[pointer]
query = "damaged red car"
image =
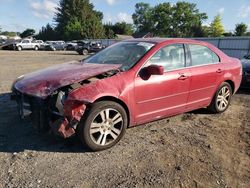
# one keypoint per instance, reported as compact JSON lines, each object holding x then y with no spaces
{"x":129,"y":83}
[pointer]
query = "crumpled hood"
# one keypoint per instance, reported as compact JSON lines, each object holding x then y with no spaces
{"x":44,"y":82}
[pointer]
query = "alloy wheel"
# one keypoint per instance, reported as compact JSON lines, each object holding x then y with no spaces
{"x":106,"y":127}
{"x":223,"y":98}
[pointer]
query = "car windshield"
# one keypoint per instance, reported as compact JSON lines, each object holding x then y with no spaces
{"x":247,"y":57}
{"x":125,"y":53}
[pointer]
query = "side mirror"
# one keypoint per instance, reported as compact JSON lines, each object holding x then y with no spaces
{"x":146,"y":72}
{"x":155,"y":70}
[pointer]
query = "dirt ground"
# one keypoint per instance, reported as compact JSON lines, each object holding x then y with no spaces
{"x":196,"y":149}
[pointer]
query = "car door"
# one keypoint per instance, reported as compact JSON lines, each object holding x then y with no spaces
{"x":163,"y":95}
{"x":25,"y":44}
{"x":205,"y":69}
{"x":29,"y":44}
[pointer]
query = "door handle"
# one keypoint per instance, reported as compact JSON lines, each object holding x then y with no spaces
{"x":183,"y":77}
{"x":219,"y":71}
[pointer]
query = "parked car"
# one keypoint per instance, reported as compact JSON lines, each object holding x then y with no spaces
{"x":2,"y":42}
{"x":86,"y":47}
{"x":83,"y":47}
{"x":39,"y":41}
{"x":96,"y":47}
{"x":27,"y":44}
{"x":246,"y":71}
{"x":9,"y":44}
{"x":71,"y":45}
{"x":55,"y":45}
{"x":129,"y":83}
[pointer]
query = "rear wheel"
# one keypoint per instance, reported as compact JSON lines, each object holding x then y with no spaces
{"x":85,"y":52}
{"x":222,"y":98}
{"x":103,"y":126}
{"x":36,"y":48}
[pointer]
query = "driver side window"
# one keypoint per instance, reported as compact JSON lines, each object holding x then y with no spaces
{"x":171,"y":57}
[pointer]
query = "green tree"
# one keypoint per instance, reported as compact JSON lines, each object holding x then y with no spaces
{"x":9,"y":33}
{"x":182,"y":19}
{"x":162,"y":19}
{"x":77,"y":19}
{"x":109,"y":33}
{"x":216,"y":27}
{"x":228,"y":34}
{"x":205,"y":31}
{"x":187,"y":20}
{"x":240,"y":29}
{"x":28,"y":32}
{"x":72,"y":30}
{"x":47,"y":33}
{"x":123,"y":28}
{"x":143,"y":17}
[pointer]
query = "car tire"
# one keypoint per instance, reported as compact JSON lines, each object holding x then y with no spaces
{"x":103,"y":126}
{"x":221,"y":99}
{"x":19,"y":48}
{"x":36,"y":48}
{"x":85,"y":52}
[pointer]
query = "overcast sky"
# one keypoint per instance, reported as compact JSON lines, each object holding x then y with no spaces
{"x":17,"y":15}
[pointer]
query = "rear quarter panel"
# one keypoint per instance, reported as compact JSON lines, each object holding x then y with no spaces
{"x":232,"y":68}
{"x":232,"y":71}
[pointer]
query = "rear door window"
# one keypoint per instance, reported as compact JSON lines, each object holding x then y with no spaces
{"x":202,"y":55}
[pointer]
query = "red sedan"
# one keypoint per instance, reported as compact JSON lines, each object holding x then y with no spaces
{"x":127,"y":84}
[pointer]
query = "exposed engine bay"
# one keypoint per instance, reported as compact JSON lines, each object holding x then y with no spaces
{"x":55,"y":112}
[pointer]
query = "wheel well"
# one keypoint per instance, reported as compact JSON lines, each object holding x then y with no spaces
{"x":108,"y":98}
{"x":231,"y":84}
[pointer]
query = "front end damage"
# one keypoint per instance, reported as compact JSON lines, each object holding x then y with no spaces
{"x":56,"y":111}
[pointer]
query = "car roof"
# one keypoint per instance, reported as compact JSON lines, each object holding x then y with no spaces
{"x":163,"y":40}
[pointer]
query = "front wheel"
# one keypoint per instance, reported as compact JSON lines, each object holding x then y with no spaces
{"x":222,"y":98}
{"x":36,"y":48}
{"x":19,"y":48}
{"x":104,"y":125}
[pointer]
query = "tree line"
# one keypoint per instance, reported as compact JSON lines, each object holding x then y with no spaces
{"x":77,"y":19}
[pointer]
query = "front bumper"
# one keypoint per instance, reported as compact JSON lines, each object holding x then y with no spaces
{"x":44,"y":115}
{"x":23,"y":104}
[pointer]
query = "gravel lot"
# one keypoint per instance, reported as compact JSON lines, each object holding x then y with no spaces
{"x":195,"y":149}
